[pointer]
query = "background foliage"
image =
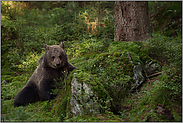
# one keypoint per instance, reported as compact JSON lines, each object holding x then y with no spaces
{"x":87,"y":29}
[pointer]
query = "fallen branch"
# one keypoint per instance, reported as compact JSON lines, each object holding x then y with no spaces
{"x":152,"y":75}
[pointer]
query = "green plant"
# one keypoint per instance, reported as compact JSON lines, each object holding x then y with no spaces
{"x":166,"y":17}
{"x":168,"y":50}
{"x":31,"y":62}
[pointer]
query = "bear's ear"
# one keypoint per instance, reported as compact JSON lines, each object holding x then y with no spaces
{"x":62,"y":45}
{"x":46,"y":47}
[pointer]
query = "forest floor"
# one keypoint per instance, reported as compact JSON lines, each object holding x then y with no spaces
{"x":147,"y":103}
{"x":26,"y":29}
{"x":134,"y":108}
{"x":137,"y":105}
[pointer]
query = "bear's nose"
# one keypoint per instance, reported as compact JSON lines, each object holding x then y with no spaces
{"x":57,"y":64}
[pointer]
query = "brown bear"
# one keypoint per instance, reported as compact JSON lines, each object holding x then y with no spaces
{"x":50,"y":70}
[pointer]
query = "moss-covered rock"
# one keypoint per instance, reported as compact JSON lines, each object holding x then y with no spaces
{"x":83,"y":100}
{"x":104,"y":81}
{"x":132,"y":58}
{"x":116,"y":54}
{"x":114,"y":68}
{"x":122,"y":46}
{"x":82,"y":95}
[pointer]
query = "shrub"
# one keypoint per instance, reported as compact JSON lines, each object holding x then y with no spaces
{"x":31,"y":62}
{"x":169,"y":50}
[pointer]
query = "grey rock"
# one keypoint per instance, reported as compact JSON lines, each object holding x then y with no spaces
{"x":152,"y":67}
{"x":160,"y":109}
{"x":82,"y":98}
{"x":4,"y":82}
{"x":138,"y":77}
{"x":138,"y":70}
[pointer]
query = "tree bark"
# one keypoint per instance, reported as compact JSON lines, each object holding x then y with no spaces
{"x":131,"y":21}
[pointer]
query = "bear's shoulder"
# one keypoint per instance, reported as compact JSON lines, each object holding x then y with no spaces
{"x":41,"y":60}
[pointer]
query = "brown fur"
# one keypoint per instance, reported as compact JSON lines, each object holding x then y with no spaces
{"x":49,"y":71}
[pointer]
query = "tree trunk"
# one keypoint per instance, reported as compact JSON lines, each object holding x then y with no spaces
{"x":131,"y":21}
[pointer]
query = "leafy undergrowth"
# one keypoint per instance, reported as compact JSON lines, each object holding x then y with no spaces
{"x":109,"y":63}
{"x":24,"y":31}
{"x":104,"y":117}
{"x":142,"y":106}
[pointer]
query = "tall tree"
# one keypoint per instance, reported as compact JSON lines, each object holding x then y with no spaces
{"x":131,"y":21}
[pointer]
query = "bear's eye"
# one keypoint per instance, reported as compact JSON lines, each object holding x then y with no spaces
{"x":60,"y":57}
{"x":53,"y":57}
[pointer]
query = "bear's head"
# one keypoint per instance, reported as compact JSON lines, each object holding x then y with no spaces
{"x":55,"y":56}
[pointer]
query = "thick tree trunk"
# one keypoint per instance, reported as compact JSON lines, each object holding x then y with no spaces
{"x":131,"y":21}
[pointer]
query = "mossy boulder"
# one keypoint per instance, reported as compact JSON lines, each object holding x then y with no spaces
{"x":138,"y":50}
{"x":123,"y":46}
{"x":105,"y":81}
{"x":83,"y":94}
{"x":135,"y":60}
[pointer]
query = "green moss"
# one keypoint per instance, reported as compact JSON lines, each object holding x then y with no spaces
{"x":154,"y":61}
{"x":176,"y":116}
{"x":62,"y":105}
{"x":103,"y":117}
{"x":103,"y":55}
{"x":116,"y":42}
{"x":3,"y":72}
{"x":5,"y":105}
{"x":109,"y":73}
{"x":96,"y":85}
{"x":9,"y":77}
{"x":144,"y":58}
{"x":116,"y":54}
{"x":4,"y":61}
{"x":134,"y":48}
{"x":121,"y":46}
{"x":90,"y":55}
{"x":138,"y":51}
{"x":135,"y":60}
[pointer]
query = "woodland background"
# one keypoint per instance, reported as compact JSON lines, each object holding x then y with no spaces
{"x":87,"y":29}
